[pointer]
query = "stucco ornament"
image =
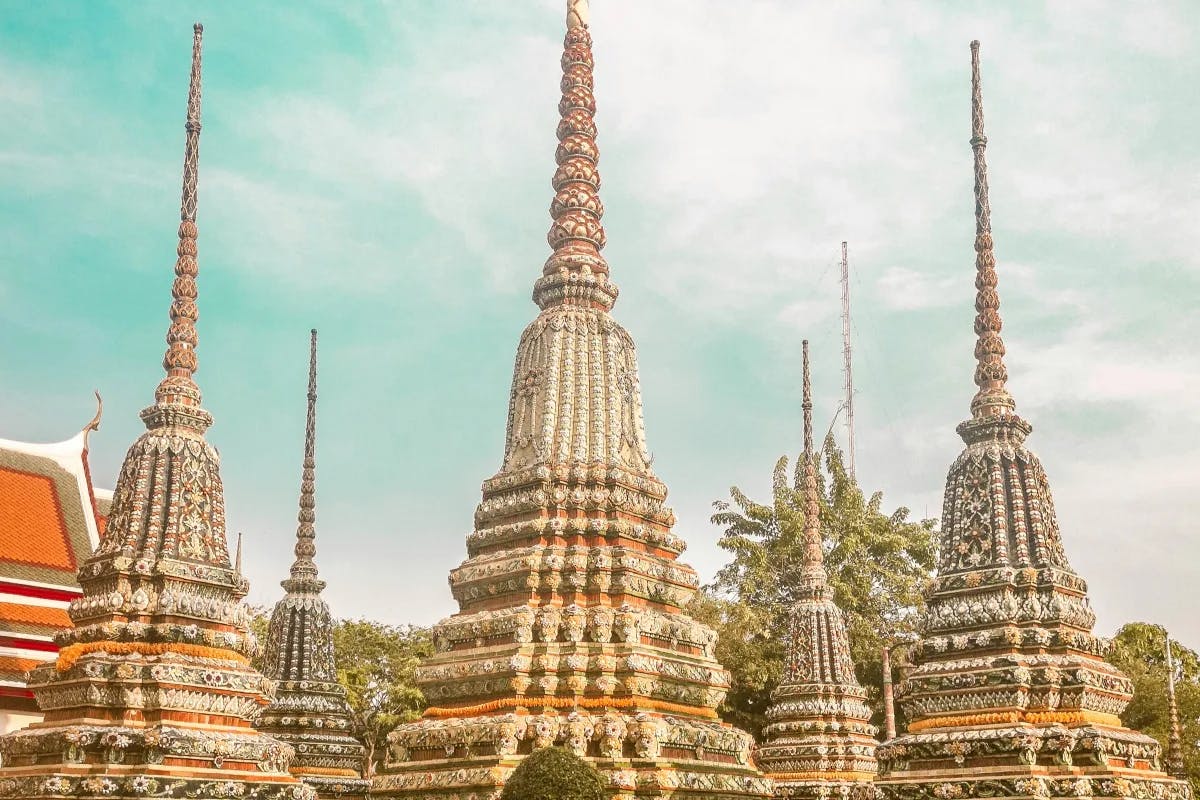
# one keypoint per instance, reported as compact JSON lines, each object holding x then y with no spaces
{"x":152,"y":693}
{"x":1010,"y":693}
{"x":310,"y":710}
{"x":818,"y":742}
{"x":571,"y":597}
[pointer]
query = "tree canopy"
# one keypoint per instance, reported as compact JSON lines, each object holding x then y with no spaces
{"x":878,"y":564}
{"x":554,"y":773}
{"x":1139,"y":650}
{"x":377,"y":664}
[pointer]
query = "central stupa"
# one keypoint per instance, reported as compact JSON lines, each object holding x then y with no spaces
{"x":571,"y":628}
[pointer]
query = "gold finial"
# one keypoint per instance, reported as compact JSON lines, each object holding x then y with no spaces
{"x":237,"y":561}
{"x":178,"y":387}
{"x":812,"y":571}
{"x":304,"y":568}
{"x":577,"y":13}
{"x":991,"y":376}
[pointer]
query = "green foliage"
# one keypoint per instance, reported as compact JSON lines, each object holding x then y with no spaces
{"x":1139,"y":650}
{"x":554,"y":773}
{"x":878,"y":564}
{"x":377,"y":664}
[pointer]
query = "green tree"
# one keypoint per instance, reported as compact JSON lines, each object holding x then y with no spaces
{"x":377,"y":664}
{"x":1139,"y":650}
{"x":554,"y":773}
{"x":878,"y":565}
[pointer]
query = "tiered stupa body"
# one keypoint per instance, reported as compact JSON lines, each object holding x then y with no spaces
{"x":1010,"y":694}
{"x":310,"y":711}
{"x":819,"y":742}
{"x":152,"y":693}
{"x":571,"y":629}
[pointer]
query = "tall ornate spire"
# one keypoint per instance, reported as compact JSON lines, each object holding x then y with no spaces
{"x":153,"y":690}
{"x":576,"y":273}
{"x":571,"y":625}
{"x":310,"y":711}
{"x":178,"y":387}
{"x":304,"y":569}
{"x":1175,"y":765}
{"x":1010,"y":693}
{"x":818,"y":742}
{"x":991,"y":376}
{"x":813,"y":575}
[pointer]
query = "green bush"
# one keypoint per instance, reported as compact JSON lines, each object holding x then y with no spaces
{"x":554,"y":773}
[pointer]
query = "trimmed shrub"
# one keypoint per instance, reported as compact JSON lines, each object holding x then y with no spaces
{"x":554,"y":773}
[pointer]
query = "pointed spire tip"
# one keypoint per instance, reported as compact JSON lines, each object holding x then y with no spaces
{"x":812,"y":575}
{"x":179,"y":387}
{"x":577,"y":13}
{"x":303,"y":575}
{"x":991,"y":375}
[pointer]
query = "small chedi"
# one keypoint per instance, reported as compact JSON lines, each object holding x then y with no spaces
{"x":152,"y":692}
{"x":571,"y":628}
{"x":310,"y":711}
{"x":818,"y":742}
{"x":1010,"y":694}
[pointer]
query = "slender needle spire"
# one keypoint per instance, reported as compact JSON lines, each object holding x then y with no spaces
{"x":180,"y":362}
{"x":813,"y":577}
{"x":1175,"y":765}
{"x":991,"y":376}
{"x":304,"y":569}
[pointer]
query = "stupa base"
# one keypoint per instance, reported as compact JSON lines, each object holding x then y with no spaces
{"x":337,"y":787}
{"x":641,"y":754}
{"x":860,"y":788}
{"x":136,"y":783}
{"x":1026,"y":761}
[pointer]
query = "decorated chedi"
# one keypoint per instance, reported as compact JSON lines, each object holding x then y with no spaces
{"x":571,"y":628}
{"x":1010,"y":694}
{"x":152,"y":693}
{"x":310,"y":711}
{"x":818,"y":742}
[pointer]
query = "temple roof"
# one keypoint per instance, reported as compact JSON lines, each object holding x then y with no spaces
{"x":51,"y":518}
{"x":49,"y":515}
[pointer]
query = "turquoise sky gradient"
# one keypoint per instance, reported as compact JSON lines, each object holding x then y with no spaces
{"x":381,"y":172}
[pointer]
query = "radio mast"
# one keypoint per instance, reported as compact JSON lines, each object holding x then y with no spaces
{"x":849,"y":402}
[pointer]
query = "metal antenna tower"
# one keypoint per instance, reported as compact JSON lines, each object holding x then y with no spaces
{"x":849,"y":402}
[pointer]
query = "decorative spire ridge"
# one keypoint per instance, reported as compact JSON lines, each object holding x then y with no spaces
{"x":576,"y":273}
{"x":304,"y":569}
{"x":1175,"y":765}
{"x":94,"y":423}
{"x":812,"y":575}
{"x":178,"y":387}
{"x":991,"y":376}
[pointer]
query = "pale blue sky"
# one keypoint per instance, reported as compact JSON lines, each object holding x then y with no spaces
{"x":381,"y":172}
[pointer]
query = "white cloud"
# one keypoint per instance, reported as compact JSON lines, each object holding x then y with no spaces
{"x":906,"y":289}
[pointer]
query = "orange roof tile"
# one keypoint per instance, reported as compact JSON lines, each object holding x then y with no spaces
{"x":48,"y":511}
{"x":32,"y":529}
{"x":21,"y":665}
{"x":34,"y":615}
